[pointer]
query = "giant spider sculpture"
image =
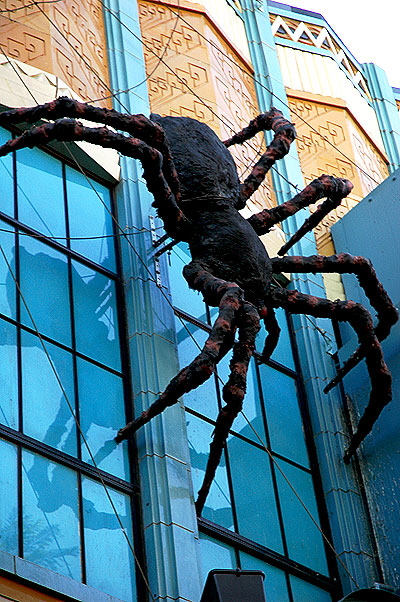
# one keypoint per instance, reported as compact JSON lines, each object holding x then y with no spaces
{"x":197,"y":194}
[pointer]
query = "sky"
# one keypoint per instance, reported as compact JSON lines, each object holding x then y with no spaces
{"x":369,"y":29}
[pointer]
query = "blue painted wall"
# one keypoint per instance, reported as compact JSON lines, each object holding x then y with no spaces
{"x":372,"y":229}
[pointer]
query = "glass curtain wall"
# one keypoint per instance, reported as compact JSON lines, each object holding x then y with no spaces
{"x":65,"y":485}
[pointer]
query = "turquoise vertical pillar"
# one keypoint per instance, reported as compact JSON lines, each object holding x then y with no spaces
{"x":170,"y":526}
{"x":384,"y":103}
{"x":344,"y":503}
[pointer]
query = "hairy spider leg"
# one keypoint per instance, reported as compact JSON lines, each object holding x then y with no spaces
{"x":137,"y":126}
{"x":284,"y":134}
{"x":67,"y":130}
{"x":324,"y":186}
{"x":273,"y":329}
{"x":344,"y":263}
{"x":233,"y":394}
{"x":229,"y":297}
{"x":360,"y":319}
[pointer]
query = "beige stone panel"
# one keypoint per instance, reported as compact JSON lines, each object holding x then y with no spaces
{"x":321,"y":75}
{"x":203,"y":76}
{"x":65,"y":38}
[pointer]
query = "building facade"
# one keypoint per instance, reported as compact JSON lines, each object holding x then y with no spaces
{"x":94,"y":323}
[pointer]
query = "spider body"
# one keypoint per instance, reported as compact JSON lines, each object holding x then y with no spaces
{"x":198,"y":195}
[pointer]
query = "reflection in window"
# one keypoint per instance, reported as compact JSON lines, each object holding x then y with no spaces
{"x":109,"y":560}
{"x":60,"y":362}
{"x":89,"y":212}
{"x":95,"y":315}
{"x":50,"y":515}
{"x":40,"y":192}
{"x":44,"y":285}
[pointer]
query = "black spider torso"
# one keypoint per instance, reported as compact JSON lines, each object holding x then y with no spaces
{"x":219,"y":238}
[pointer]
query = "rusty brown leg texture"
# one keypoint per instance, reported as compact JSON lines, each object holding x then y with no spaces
{"x":137,"y":126}
{"x":366,"y":276}
{"x":361,"y":320}
{"x":218,"y":343}
{"x":67,"y":130}
{"x":233,"y":394}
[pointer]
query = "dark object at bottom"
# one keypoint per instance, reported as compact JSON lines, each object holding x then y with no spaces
{"x":225,"y":585}
{"x":379,"y":593}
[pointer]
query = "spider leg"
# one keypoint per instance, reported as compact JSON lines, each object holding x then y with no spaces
{"x":361,"y":320}
{"x":233,"y":394}
{"x":229,"y":297}
{"x":67,"y":130}
{"x":345,"y":263}
{"x":324,"y":186}
{"x":273,"y":330}
{"x":284,"y":134}
{"x":137,"y":126}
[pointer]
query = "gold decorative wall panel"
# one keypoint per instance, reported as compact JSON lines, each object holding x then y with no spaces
{"x":194,"y":71}
{"x":330,"y":140}
{"x":65,"y":38}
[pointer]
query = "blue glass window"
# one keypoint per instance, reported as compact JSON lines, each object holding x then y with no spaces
{"x":62,"y":390}
{"x":8,"y":375}
{"x":275,"y":584}
{"x":48,"y":393}
{"x":285,"y":425}
{"x":8,"y":502}
{"x":47,"y":294}
{"x":109,"y":558}
{"x":89,"y":212}
{"x":40,"y":192}
{"x":300,"y":516}
{"x":7,"y":271}
{"x":96,"y":315}
{"x":218,"y":504}
{"x":50,"y":515}
{"x":6,"y":178}
{"x":101,"y":400}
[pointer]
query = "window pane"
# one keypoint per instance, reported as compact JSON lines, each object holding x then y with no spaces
{"x":50,"y":515}
{"x":218,"y":504}
{"x":8,"y":498}
{"x":95,"y":316}
{"x":6,"y":178}
{"x":190,"y":341}
{"x":44,"y":284}
{"x":109,"y":559}
{"x":253,"y":489}
{"x":46,"y":414}
{"x":102,"y":413}
{"x":283,"y":352}
{"x":8,"y":375}
{"x":89,"y":215}
{"x":215,"y":555}
{"x":251,"y":404}
{"x":304,"y":540}
{"x":7,"y":271}
{"x":305,"y":592}
{"x":40,"y":192}
{"x":275,"y":580}
{"x":283,"y":415}
{"x":182,"y":296}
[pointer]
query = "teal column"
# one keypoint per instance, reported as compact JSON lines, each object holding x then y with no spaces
{"x":386,"y":110}
{"x":170,"y":526}
{"x":344,"y":502}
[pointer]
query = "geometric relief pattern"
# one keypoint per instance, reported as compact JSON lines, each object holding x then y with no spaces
{"x":330,"y":141}
{"x":65,"y":38}
{"x":319,"y":37}
{"x":200,"y":76}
